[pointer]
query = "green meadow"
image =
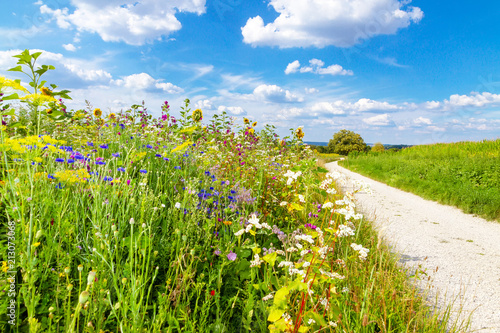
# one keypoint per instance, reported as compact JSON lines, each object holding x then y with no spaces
{"x":462,"y":174}
{"x":127,"y":222}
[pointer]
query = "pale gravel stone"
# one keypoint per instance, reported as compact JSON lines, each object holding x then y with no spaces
{"x":465,"y":249}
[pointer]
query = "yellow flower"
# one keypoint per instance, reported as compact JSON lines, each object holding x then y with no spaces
{"x":112,"y":116}
{"x":49,"y":111}
{"x":97,"y":113}
{"x":197,"y":115}
{"x":38,"y":99}
{"x":254,"y":124}
{"x":227,"y":222}
{"x":246,"y":121}
{"x":5,"y":267}
{"x":37,"y":244}
{"x":299,"y":133}
{"x":251,"y":131}
{"x":4,"y":82}
{"x":46,"y":91}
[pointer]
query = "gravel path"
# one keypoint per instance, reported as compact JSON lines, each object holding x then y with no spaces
{"x":460,"y":252}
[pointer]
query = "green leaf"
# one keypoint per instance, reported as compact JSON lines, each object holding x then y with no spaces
{"x":16,"y":69}
{"x":51,"y":67}
{"x":16,"y":124}
{"x":303,"y":329}
{"x":270,"y":258}
{"x":13,"y":96}
{"x":321,"y":170}
{"x":298,"y":285}
{"x":275,"y":315}
{"x":280,"y":297}
{"x":36,"y":55}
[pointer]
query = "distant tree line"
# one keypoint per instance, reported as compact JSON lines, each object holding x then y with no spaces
{"x":346,"y":142}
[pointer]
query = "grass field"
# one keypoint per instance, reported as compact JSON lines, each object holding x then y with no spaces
{"x":463,"y":174}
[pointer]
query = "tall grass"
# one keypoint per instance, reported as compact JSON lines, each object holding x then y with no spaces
{"x":463,"y":174}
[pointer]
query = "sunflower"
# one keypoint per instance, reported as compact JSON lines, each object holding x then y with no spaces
{"x":246,"y":121}
{"x":197,"y":115}
{"x":49,"y":111}
{"x":299,"y":133}
{"x":251,"y":131}
{"x":97,"y":113}
{"x":46,"y":91}
{"x":254,"y":124}
{"x":112,"y":116}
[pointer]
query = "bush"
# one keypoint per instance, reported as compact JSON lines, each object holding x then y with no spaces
{"x":345,"y":141}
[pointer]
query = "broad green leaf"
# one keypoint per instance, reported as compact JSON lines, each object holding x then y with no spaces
{"x":280,"y":297}
{"x":13,"y":96}
{"x":14,"y":125}
{"x":16,"y":69}
{"x":270,"y":258}
{"x":303,"y":329}
{"x":10,"y":112}
{"x":275,"y":315}
{"x":298,"y":285}
{"x":256,"y":250}
{"x":36,"y":55}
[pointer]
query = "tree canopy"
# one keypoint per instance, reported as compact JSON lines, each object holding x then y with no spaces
{"x":346,"y":141}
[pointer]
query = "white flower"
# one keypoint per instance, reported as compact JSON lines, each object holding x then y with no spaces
{"x":267,"y":297}
{"x":344,"y":231}
{"x":311,"y":321}
{"x":177,"y":205}
{"x":285,"y":263}
{"x":363,"y":252}
{"x":283,"y":203}
{"x":327,"y":205}
{"x":301,"y":198}
{"x":306,"y":264}
{"x":240,"y":232}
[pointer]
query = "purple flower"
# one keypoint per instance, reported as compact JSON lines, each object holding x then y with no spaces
{"x":100,"y":163}
{"x":79,"y":156}
{"x":108,"y":179}
{"x":157,"y":155}
{"x":164,"y":117}
{"x":90,"y":144}
{"x":70,"y":160}
{"x":217,"y":252}
{"x":103,"y":146}
{"x":231,"y":256}
{"x":121,"y":169}
{"x":60,"y":160}
{"x":143,"y":171}
{"x":115,"y":154}
{"x":149,"y":146}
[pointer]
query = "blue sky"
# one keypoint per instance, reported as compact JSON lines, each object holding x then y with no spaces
{"x":409,"y":72}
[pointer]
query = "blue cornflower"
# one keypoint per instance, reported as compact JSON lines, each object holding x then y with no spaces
{"x":100,"y":163}
{"x":177,"y":167}
{"x":166,"y":159}
{"x":157,"y":155}
{"x":108,"y":179}
{"x":233,"y":191}
{"x":121,"y":169}
{"x":122,"y":126}
{"x":104,"y":146}
{"x":79,"y":157}
{"x":59,"y":186}
{"x":143,"y":171}
{"x":70,"y":160}
{"x":115,"y":154}
{"x":60,"y":160}
{"x":90,"y":144}
{"x":207,"y":173}
{"x":149,"y":146}
{"x":51,"y":176}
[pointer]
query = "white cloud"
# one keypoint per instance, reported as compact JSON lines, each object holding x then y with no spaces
{"x":292,"y":67}
{"x":234,"y":110}
{"x":474,"y":99}
{"x":88,"y":74}
{"x":422,"y":121}
{"x":336,"y":108}
{"x":169,"y":87}
{"x":316,"y":66}
{"x":321,"y":23}
{"x":130,"y":21}
{"x":378,"y":120}
{"x":366,"y":105}
{"x":275,"y":94}
{"x":204,"y":104}
{"x":436,"y":128}
{"x":69,"y":47}
{"x":143,"y":81}
{"x":311,"y":90}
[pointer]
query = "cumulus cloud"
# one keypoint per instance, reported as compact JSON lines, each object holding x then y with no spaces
{"x":233,"y":110}
{"x":69,"y":47}
{"x":379,"y":120}
{"x":316,"y":67}
{"x":143,"y":81}
{"x":474,"y":99}
{"x":320,"y":23}
{"x":336,"y":108}
{"x":422,"y":121}
{"x":130,"y":21}
{"x":275,"y":94}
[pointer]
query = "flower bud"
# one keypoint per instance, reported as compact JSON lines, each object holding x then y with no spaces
{"x":80,"y":267}
{"x":69,"y":287}
{"x":39,"y":234}
{"x":91,"y":277}
{"x":84,"y":296}
{"x":51,"y":309}
{"x":67,"y":270}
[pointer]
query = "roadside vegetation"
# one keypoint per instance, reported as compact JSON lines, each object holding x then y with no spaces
{"x":463,"y":174}
{"x":125,"y":222}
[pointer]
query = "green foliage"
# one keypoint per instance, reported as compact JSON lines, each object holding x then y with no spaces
{"x":346,"y":141}
{"x":463,"y":174}
{"x":378,"y":147}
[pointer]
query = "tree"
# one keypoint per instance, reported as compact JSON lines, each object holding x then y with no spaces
{"x":378,"y":147}
{"x":345,"y":141}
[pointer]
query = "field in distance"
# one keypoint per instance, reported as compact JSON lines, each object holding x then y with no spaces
{"x":463,"y":174}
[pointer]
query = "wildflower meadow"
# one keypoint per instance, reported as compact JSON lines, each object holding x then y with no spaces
{"x":125,"y":222}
